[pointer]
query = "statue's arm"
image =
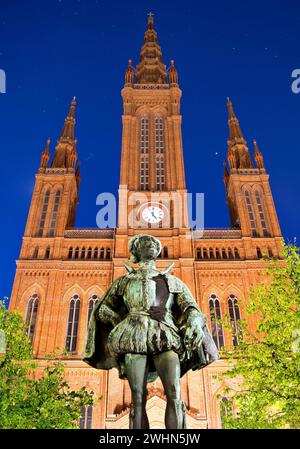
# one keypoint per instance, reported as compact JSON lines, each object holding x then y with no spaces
{"x":109,"y":304}
{"x":189,"y":307}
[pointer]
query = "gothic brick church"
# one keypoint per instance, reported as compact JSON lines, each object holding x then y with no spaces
{"x":63,"y":270}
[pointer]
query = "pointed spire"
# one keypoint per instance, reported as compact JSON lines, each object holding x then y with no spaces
{"x":151,"y":68}
{"x":237,"y":145}
{"x":129,"y":74}
{"x":173,"y":75}
{"x":235,"y":133}
{"x":66,"y":142}
{"x":258,"y":157}
{"x":45,"y":156}
{"x":69,"y":126}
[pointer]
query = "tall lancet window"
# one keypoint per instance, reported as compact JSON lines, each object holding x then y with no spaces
{"x":235,"y":316}
{"x":72,"y":331}
{"x":159,"y":152}
{"x":92,"y":301}
{"x":215,"y":317}
{"x":54,"y":213}
{"x":86,"y":419}
{"x":44,"y":213}
{"x":31,"y":316}
{"x":261,"y":212}
{"x":144,"y":145}
{"x":251,"y":214}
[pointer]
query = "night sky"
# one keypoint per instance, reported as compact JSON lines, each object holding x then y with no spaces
{"x":53,"y":50}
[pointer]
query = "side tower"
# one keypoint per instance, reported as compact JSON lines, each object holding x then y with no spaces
{"x":52,"y":210}
{"x":248,"y":193}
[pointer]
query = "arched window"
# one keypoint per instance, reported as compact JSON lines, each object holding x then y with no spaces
{"x":86,"y":419}
{"x":44,"y":213}
{"x":92,"y":301}
{"x":96,"y":253}
{"x":211,"y":253}
{"x":230,"y":254}
{"x":198,"y":253}
{"x":224,"y":255}
{"x":261,"y":212}
{"x":226,"y":409}
{"x":35,"y":253}
{"x":102,"y":253}
{"x":270,"y":253}
{"x":234,"y":313}
{"x":165,"y":252}
{"x":82,"y":253}
{"x":259,"y":253}
{"x":54,"y":213}
{"x":89,"y":253}
{"x":218,"y":255}
{"x":108,"y":253}
{"x":72,"y":331}
{"x":144,"y":159}
{"x":76,"y":253}
{"x":70,"y":255}
{"x":250,"y":214}
{"x":159,"y":152}
{"x":236,"y":253}
{"x":31,"y":316}
{"x":47,"y":252}
{"x":215,"y":317}
{"x":205,"y":256}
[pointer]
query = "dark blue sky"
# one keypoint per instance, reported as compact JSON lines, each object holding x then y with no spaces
{"x":53,"y":50}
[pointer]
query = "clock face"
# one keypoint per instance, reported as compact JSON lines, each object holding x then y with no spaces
{"x":153,"y":214}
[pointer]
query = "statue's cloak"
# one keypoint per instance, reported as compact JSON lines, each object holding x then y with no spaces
{"x":96,"y":351}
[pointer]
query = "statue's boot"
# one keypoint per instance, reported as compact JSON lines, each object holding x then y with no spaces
{"x":175,"y":414}
{"x":138,"y":418}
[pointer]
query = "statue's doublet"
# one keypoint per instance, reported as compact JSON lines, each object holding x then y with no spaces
{"x":138,"y":332}
{"x":129,"y":297}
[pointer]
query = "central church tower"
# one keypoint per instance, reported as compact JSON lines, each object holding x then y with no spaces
{"x":152,"y":191}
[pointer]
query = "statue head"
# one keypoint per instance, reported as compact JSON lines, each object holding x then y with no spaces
{"x":144,"y":247}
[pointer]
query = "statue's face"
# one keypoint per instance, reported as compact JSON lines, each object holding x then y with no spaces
{"x":147,"y":248}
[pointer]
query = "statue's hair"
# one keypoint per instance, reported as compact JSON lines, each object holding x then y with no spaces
{"x":133,"y":246}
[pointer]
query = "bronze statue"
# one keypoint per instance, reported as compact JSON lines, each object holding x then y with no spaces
{"x":148,"y":324}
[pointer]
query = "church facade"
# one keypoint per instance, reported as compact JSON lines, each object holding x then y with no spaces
{"x":62,"y":270}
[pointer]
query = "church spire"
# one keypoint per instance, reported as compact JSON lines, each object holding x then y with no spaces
{"x":235,"y":132}
{"x":237,"y":145}
{"x":66,"y":145}
{"x":151,"y":68}
{"x":258,"y":157}
{"x":69,"y":126}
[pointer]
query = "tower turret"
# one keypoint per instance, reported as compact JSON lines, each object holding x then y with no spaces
{"x":45,"y":156}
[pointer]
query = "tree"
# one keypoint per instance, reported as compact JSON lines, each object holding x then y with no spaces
{"x":27,"y":402}
{"x":269,"y":359}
